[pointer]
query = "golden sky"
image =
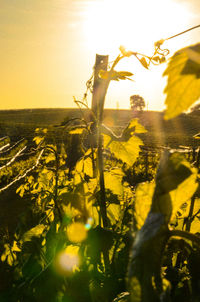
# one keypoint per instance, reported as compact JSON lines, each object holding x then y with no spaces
{"x":48,"y":47}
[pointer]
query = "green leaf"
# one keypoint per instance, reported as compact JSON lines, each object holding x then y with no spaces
{"x":34,"y":232}
{"x":183,"y":87}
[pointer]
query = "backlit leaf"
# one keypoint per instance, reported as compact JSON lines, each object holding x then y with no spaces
{"x":183,"y":87}
{"x":114,"y":75}
{"x":113,"y":181}
{"x":38,"y":139}
{"x":144,"y":62}
{"x":127,"y":151}
{"x":143,"y":200}
{"x":124,"y":52}
{"x":183,"y":193}
{"x":78,"y":130}
{"x":113,"y":212}
{"x":195,"y":226}
{"x":174,"y":174}
{"x":50,"y":157}
{"x":34,"y":232}
{"x":125,"y":73}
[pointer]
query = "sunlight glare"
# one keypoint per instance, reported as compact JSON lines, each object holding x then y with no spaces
{"x":134,"y":24}
{"x":76,"y":232}
{"x":67,"y":261}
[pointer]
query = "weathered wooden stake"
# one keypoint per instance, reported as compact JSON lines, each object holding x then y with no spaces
{"x":99,"y":87}
{"x":98,"y":98}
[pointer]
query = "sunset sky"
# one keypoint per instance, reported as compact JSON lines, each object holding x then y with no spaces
{"x":48,"y":47}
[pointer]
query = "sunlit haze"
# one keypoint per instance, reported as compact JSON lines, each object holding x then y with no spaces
{"x":48,"y":48}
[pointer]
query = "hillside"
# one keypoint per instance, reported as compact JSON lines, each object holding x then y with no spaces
{"x":175,"y":132}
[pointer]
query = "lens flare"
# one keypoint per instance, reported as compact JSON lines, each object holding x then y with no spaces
{"x":76,"y":232}
{"x":67,"y":261}
{"x":89,"y":223}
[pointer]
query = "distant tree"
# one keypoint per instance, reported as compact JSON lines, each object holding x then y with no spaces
{"x":137,"y":102}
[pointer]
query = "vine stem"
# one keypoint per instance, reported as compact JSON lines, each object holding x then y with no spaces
{"x":56,"y":182}
{"x":185,"y":235}
{"x":190,"y":218}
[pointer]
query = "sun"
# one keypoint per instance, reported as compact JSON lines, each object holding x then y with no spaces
{"x":136,"y":24}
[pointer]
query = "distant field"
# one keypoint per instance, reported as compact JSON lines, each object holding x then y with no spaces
{"x":178,"y":131}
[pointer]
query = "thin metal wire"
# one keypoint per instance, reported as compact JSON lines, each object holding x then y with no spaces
{"x":183,"y":32}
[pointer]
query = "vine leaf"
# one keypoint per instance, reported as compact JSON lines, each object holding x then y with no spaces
{"x":152,"y":238}
{"x":144,"y":62}
{"x":77,"y":130}
{"x":34,"y":232}
{"x":127,"y":146}
{"x":173,"y":175}
{"x":127,"y":151}
{"x":9,"y":253}
{"x":143,"y":199}
{"x":184,"y":192}
{"x":180,"y":195}
{"x":115,"y":75}
{"x":183,"y":87}
{"x":113,"y":181}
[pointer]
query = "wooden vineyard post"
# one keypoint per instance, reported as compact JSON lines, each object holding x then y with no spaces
{"x":99,"y":87}
{"x":98,"y":98}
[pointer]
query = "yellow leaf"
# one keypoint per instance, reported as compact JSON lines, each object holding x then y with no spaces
{"x":34,"y":232}
{"x":50,"y":157}
{"x":183,"y":87}
{"x":77,"y":130}
{"x":183,"y":193}
{"x":127,"y":151}
{"x":38,"y":140}
{"x":143,"y":198}
{"x":113,"y":211}
{"x":15,"y":248}
{"x":195,"y":226}
{"x":125,"y":73}
{"x":136,"y":126}
{"x":144,"y":62}
{"x":113,"y":181}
